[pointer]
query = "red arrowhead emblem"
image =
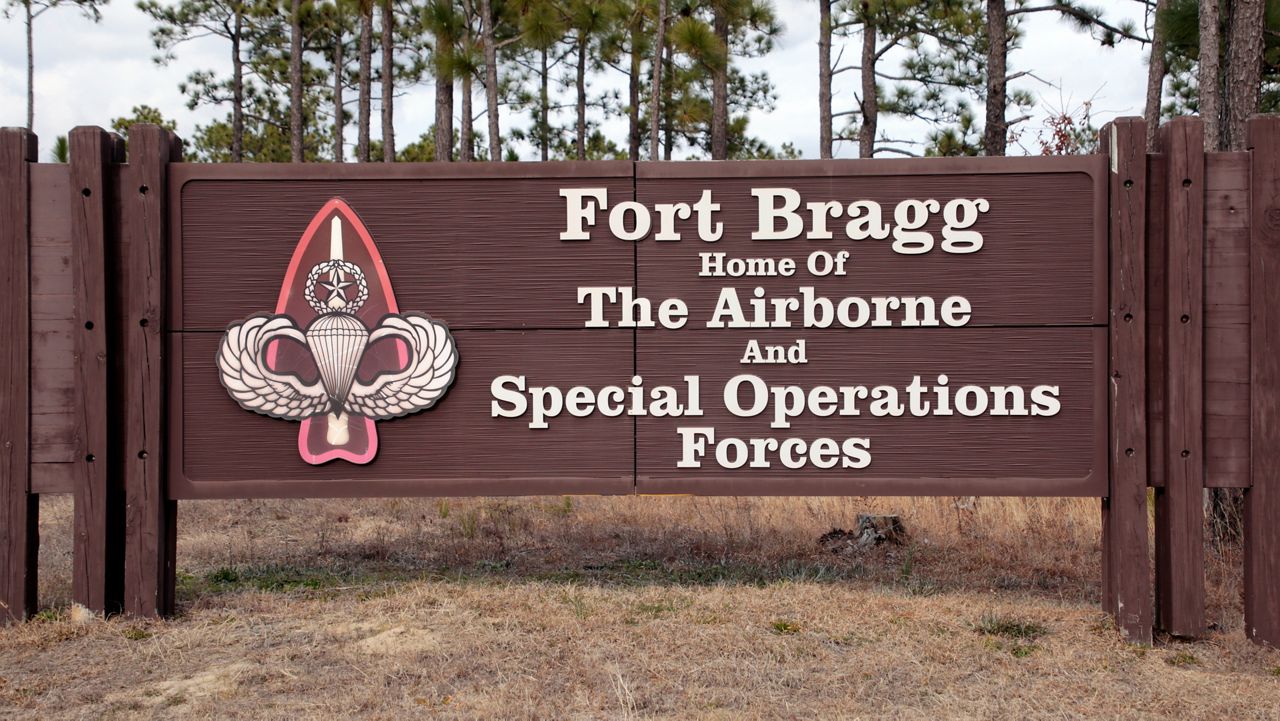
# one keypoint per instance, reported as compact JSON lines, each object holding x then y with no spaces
{"x":337,"y":354}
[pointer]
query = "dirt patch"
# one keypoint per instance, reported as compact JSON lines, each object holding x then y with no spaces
{"x":399,"y":641}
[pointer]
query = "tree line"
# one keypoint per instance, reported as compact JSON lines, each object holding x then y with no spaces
{"x":298,"y":73}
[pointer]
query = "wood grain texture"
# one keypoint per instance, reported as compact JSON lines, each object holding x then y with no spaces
{"x":476,"y":252}
{"x":1226,"y":320}
{"x":49,"y":478}
{"x":1262,"y":499}
{"x":98,"y":509}
{"x":149,"y":514}
{"x":1050,"y":219}
{"x":1061,"y":455}
{"x":1157,"y":302}
{"x":1179,"y":505}
{"x":19,"y":509}
{"x":54,"y":433}
{"x":455,"y":448}
{"x":1126,"y":564}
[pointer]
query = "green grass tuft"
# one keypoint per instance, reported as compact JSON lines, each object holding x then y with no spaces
{"x":1010,"y":627}
{"x":1182,"y":659}
{"x":785,"y":627}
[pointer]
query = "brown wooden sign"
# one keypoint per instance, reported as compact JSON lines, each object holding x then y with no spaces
{"x":1093,"y":326}
{"x":809,"y":328}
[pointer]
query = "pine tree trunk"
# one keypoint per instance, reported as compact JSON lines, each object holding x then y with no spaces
{"x":466,"y":144}
{"x":995,"y":136}
{"x":544,"y":109}
{"x":581,"y":86}
{"x":444,"y":115}
{"x":388,"y":82}
{"x":365,"y":81}
{"x":295,"y":82}
{"x":655,"y":88}
{"x":824,"y":79}
{"x":31,"y":69}
{"x":491,"y":79}
{"x":720,"y":89}
{"x":1245,"y":68}
{"x":870,"y":96}
{"x":339,"y":121}
{"x":1157,"y":68}
{"x":1210,"y":80}
{"x":237,"y":90}
{"x":633,"y":99}
{"x":668,"y":135}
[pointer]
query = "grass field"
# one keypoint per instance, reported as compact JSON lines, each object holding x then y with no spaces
{"x":586,"y":608}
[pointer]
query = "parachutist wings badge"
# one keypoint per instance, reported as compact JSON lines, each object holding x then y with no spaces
{"x":337,"y":354}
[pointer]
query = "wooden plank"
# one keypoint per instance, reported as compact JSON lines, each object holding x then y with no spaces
{"x":1157,"y":255}
{"x":52,"y":478}
{"x":53,"y":432}
{"x":1179,"y":505}
{"x":1262,"y":499}
{"x":19,"y":509}
{"x":148,"y":512}
{"x":1107,"y":139}
{"x":52,"y":437}
{"x":95,"y":579}
{"x":1226,"y":320}
{"x":1125,"y":551}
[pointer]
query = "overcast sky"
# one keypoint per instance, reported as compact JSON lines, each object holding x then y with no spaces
{"x":87,"y":74}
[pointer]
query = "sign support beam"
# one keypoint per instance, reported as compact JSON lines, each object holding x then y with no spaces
{"x":98,"y":555}
{"x":1180,"y":504}
{"x":1126,"y":563}
{"x":1262,"y":498}
{"x":150,"y":516}
{"x":19,"y":507}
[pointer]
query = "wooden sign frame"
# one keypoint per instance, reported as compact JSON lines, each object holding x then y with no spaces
{"x":94,"y":405}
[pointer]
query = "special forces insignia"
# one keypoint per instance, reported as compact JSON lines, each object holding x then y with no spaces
{"x":337,"y":354}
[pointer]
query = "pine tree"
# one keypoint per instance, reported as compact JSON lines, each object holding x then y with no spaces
{"x":442,"y":20}
{"x":939,"y":43}
{"x":543,"y":26}
{"x":625,"y":49}
{"x":700,"y":62}
{"x":825,"y":141}
{"x":338,"y":20}
{"x":31,"y":10}
{"x":295,"y":81}
{"x":1157,"y":69}
{"x":1003,"y":35}
{"x":1248,"y":79}
{"x":655,"y":92}
{"x":231,"y":19}
{"x":590,"y":22}
{"x":364,"y":82}
{"x":274,"y":78}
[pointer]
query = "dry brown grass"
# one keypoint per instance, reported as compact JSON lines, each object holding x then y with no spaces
{"x":589,"y":608}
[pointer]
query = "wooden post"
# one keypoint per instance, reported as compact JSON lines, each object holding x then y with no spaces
{"x":1262,"y":498}
{"x":149,"y":514}
{"x":98,"y":556}
{"x":19,"y":509}
{"x":1126,"y":564}
{"x":1180,"y":504}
